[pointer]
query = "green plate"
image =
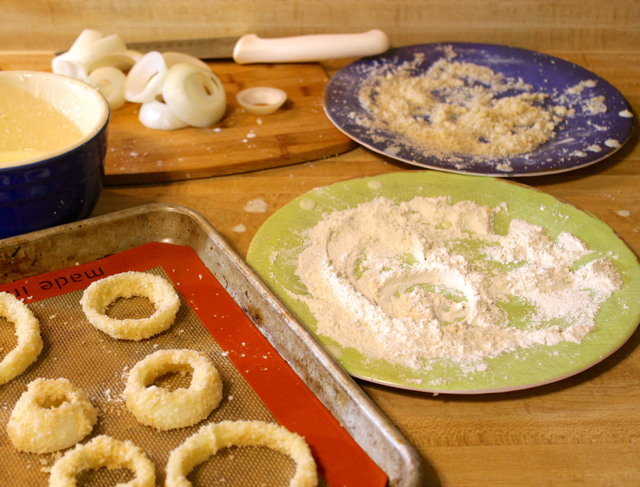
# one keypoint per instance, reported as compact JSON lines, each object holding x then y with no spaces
{"x":274,"y":250}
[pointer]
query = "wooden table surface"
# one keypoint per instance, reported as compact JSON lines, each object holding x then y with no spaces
{"x":582,"y":431}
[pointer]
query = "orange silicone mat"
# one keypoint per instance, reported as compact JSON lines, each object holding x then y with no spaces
{"x":258,"y":383}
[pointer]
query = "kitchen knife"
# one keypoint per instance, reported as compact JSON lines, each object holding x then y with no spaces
{"x":250,"y":48}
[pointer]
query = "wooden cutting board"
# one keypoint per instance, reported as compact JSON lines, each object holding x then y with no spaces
{"x":240,"y":142}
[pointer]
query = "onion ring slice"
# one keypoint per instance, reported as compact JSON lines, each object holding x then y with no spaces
{"x":110,"y":81}
{"x":164,"y":409}
{"x":194,"y":94}
{"x":52,"y":414}
{"x":86,"y":38}
{"x":29,"y":340}
{"x":146,"y":78}
{"x":212,"y":437}
{"x":105,"y":46}
{"x":100,"y":294}
{"x":157,"y":115}
{"x":103,"y":451}
{"x":67,"y":65}
{"x":172,"y":58}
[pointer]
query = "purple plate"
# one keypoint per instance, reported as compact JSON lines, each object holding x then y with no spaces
{"x":580,"y":140}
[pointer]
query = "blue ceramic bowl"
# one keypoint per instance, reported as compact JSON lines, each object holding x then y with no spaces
{"x":58,"y":186}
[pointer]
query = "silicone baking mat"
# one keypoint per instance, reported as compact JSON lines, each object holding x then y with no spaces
{"x":257,"y":383}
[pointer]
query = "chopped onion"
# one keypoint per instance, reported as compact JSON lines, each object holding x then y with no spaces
{"x":145,"y":80}
{"x":110,"y":81}
{"x":157,"y":115}
{"x":194,"y":94}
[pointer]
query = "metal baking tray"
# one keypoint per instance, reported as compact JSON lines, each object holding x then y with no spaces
{"x":92,"y":239}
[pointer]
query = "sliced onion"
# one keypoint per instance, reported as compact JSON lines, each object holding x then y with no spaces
{"x":123,"y":61}
{"x":86,"y":37}
{"x":194,"y":94}
{"x":157,"y":115}
{"x":67,"y":65}
{"x":103,"y":47}
{"x":110,"y":81}
{"x":172,"y":58}
{"x":89,"y":51}
{"x":145,"y":80}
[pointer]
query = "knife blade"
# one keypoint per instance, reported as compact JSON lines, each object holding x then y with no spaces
{"x":250,"y":48}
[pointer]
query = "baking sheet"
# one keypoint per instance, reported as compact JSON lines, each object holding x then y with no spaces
{"x":177,"y":225}
{"x":98,"y":365}
{"x":276,"y":246}
{"x":581,"y":140}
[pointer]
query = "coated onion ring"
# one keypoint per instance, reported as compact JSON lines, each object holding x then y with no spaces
{"x":110,"y":82}
{"x":146,"y":78}
{"x":157,"y":115}
{"x":103,"y":451}
{"x":100,"y":294}
{"x":194,"y":94}
{"x":28,"y":332}
{"x":212,"y":437}
{"x":52,"y":414}
{"x":164,"y":409}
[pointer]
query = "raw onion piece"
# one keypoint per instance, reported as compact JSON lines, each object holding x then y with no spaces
{"x":172,"y":58}
{"x":86,"y":37}
{"x":103,"y":47}
{"x":66,"y":65}
{"x":89,"y":51}
{"x":194,"y":94}
{"x":145,"y":80}
{"x":110,"y":81}
{"x":157,"y":115}
{"x":124,"y":60}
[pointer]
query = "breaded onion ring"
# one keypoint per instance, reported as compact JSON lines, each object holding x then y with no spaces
{"x":28,"y":332}
{"x":52,"y":414}
{"x":164,"y":409}
{"x":212,"y":437}
{"x":103,"y":451}
{"x":100,"y":294}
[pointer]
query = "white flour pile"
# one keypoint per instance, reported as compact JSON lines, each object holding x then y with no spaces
{"x":424,"y":280}
{"x":460,"y":108}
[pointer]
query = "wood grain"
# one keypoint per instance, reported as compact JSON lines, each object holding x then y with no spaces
{"x":542,"y":25}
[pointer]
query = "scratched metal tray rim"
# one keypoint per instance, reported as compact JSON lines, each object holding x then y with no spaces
{"x":95,"y":238}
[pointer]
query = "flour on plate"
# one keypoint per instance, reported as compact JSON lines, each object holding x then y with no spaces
{"x":427,"y":280}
